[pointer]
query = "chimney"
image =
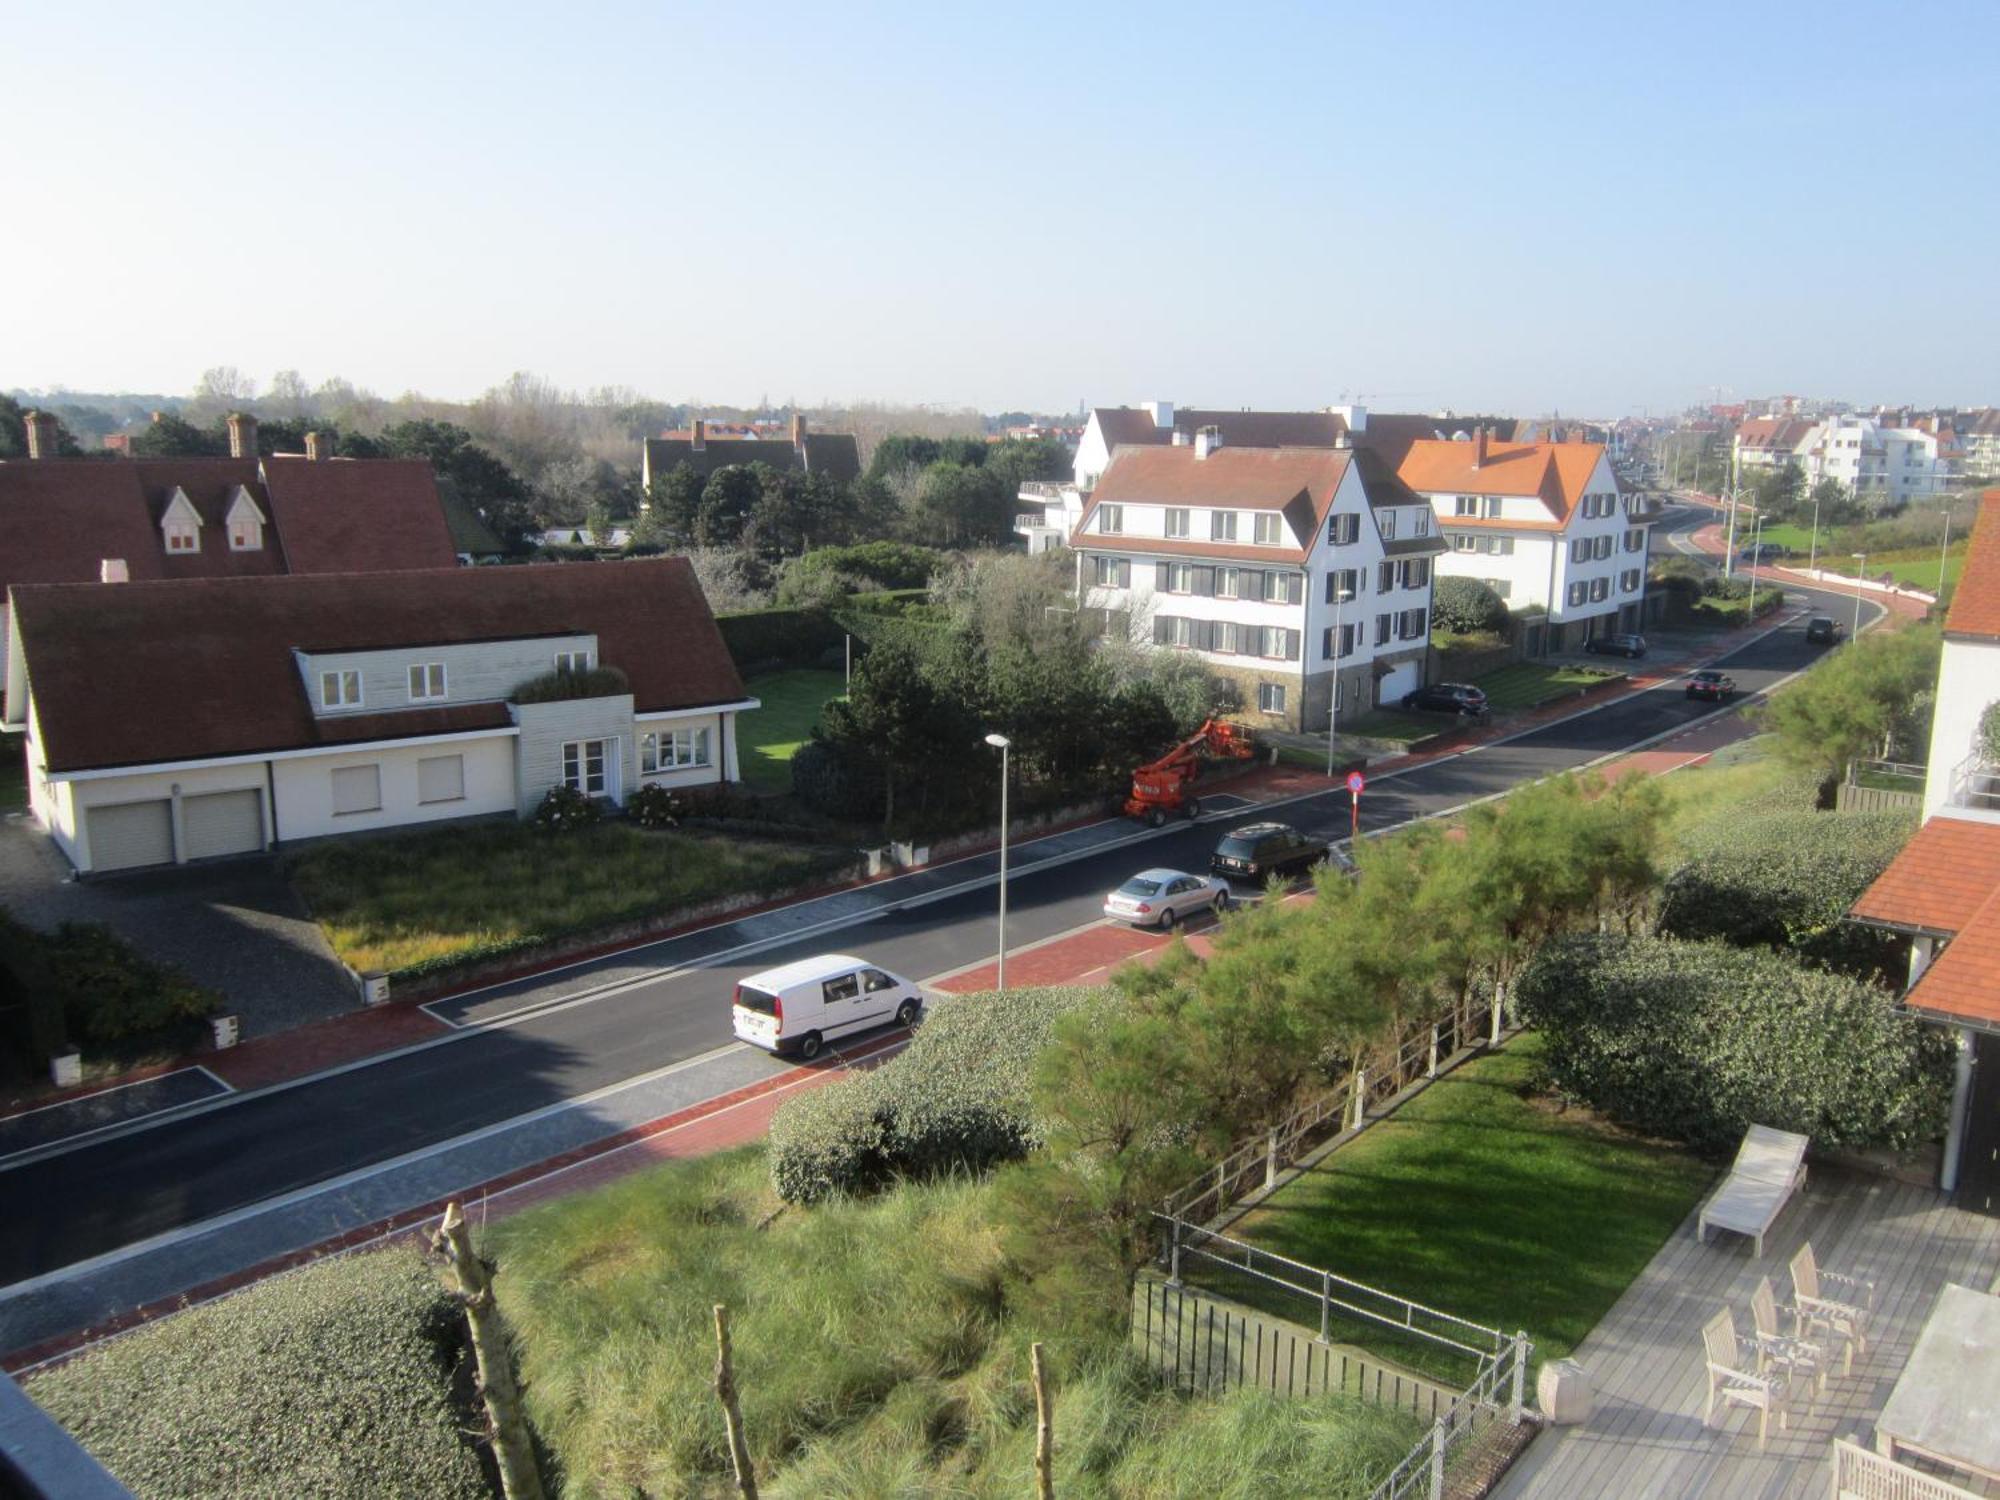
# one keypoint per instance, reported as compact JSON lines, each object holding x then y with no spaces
{"x":1478,"y":447}
{"x":1207,"y":441}
{"x":799,"y":431}
{"x":1183,"y":438}
{"x":113,"y":570}
{"x":1344,"y":439}
{"x":698,"y":439}
{"x":1162,"y":413}
{"x":242,"y":435}
{"x":41,"y":427}
{"x":319,"y":445}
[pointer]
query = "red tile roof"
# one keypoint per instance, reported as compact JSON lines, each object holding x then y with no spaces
{"x":358,"y":515}
{"x":1939,"y":879}
{"x":1556,"y":473}
{"x":1963,"y":982}
{"x":1975,"y":605}
{"x":1297,"y":482}
{"x":142,"y":673}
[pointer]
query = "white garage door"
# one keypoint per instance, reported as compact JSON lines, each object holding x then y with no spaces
{"x":1405,"y":678}
{"x":129,"y":834}
{"x":222,"y":823}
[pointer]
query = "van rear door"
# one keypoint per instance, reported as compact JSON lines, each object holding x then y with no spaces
{"x":758,"y":1016}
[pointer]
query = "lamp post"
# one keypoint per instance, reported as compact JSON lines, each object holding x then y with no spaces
{"x":1756,"y":530}
{"x":1333,"y":702}
{"x":1001,"y":743}
{"x":1859,"y":574}
{"x":1944,"y":550}
{"x":1812,"y":554}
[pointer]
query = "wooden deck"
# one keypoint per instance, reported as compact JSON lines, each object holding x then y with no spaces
{"x":1646,"y":1438}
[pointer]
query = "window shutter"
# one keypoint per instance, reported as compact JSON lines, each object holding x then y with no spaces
{"x":1163,"y":577}
{"x":1292,"y":645}
{"x":1295,"y":589}
{"x":1124,"y":572}
{"x":1204,"y":581}
{"x":1163,"y":629}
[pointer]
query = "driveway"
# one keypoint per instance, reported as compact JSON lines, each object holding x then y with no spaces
{"x":235,"y":926}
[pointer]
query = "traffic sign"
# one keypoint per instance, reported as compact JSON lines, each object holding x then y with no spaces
{"x":1355,"y":782}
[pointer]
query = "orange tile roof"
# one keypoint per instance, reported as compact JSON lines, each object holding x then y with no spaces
{"x":1555,"y":473}
{"x":1963,"y":983}
{"x":1250,"y":478}
{"x":1975,"y":606}
{"x":1945,"y":874}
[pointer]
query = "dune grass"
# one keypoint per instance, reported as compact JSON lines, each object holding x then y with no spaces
{"x":770,"y":736}
{"x":420,"y":900}
{"x":879,"y":1351}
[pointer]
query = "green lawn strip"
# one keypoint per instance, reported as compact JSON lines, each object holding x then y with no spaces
{"x":1481,"y":1201}
{"x":425,"y":899}
{"x":768,"y":737}
{"x":1528,"y":684}
{"x":1913,"y":567}
{"x":1401,"y":728}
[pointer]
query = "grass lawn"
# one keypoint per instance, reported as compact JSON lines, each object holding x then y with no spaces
{"x":452,"y":893}
{"x":1396,"y":726}
{"x":1913,"y":567}
{"x":1526,"y":684}
{"x":1483,"y":1201}
{"x":13,"y":773}
{"x":771,"y":735}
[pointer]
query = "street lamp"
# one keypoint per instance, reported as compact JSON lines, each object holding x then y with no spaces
{"x":1001,"y":743}
{"x":1812,"y":555}
{"x":1756,"y":530}
{"x":1333,"y":703}
{"x":1859,"y":574}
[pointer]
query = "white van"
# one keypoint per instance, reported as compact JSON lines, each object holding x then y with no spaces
{"x":801,"y":1006}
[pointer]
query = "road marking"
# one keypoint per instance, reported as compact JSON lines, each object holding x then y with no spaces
{"x":170,"y":1111}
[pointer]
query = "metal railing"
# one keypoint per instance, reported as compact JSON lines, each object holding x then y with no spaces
{"x":1975,"y":784}
{"x":1497,"y":1394}
{"x":1859,"y":1474}
{"x":1033,"y":521}
{"x":1188,"y":1247}
{"x":1045,"y":489}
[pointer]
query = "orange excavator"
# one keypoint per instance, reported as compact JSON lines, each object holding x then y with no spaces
{"x":1164,"y":786}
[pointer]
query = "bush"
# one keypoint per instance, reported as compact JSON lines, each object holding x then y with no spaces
{"x":84,"y":983}
{"x":1697,"y":1041}
{"x":1989,"y":733}
{"x":1786,"y":880}
{"x":761,"y":640}
{"x":564,"y":684}
{"x":880,"y":565}
{"x":565,"y":808}
{"x":655,"y":806}
{"x":956,"y":1099}
{"x":1467,"y":606}
{"x":834,"y":778}
{"x":334,"y":1380}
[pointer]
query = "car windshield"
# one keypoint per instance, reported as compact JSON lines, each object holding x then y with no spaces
{"x":1708,"y":677}
{"x":1139,"y":886}
{"x":1236,"y":847}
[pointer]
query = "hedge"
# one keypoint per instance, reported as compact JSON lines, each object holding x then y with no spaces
{"x":333,"y":1380}
{"x":1786,"y":880}
{"x":1698,"y":1041}
{"x":955,"y":1100}
{"x":886,"y":565}
{"x":1467,"y":606}
{"x":763,"y":640}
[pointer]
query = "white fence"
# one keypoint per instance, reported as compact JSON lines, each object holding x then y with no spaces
{"x":1859,"y":1474}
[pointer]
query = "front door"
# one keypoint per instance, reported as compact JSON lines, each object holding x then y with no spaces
{"x":1979,"y":1153}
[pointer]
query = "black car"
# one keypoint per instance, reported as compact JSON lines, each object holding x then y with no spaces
{"x":1711,"y":684}
{"x":1763,"y":552}
{"x":1265,"y":849}
{"x":1822,"y":630}
{"x":1448,"y":698}
{"x":1633,"y":646}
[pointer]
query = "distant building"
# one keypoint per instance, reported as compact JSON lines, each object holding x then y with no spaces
{"x":1979,"y":443}
{"x":1769,"y":443}
{"x":834,"y":454}
{"x":1881,"y":466}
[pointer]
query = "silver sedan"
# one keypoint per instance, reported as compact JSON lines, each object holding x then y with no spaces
{"x":1160,"y":898}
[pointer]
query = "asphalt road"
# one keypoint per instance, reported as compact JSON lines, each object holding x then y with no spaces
{"x":105,"y":1194}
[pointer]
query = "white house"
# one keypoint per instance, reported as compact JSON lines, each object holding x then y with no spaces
{"x":1882,"y":466}
{"x":1769,"y":443}
{"x":1544,"y":524}
{"x":1287,"y":570}
{"x":174,"y":721}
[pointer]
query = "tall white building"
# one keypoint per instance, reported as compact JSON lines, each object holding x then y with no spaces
{"x":1882,"y":466}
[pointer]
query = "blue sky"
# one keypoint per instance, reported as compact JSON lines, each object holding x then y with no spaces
{"x":1586,"y":208}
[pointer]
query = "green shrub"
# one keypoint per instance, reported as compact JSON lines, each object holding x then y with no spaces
{"x":334,"y":1380}
{"x":655,"y":806}
{"x":762,"y":640}
{"x":1786,"y":880}
{"x":956,"y":1099}
{"x":882,"y":565}
{"x":565,"y":683}
{"x":565,"y":808}
{"x":1697,"y":1041}
{"x":831,"y":777}
{"x":1467,"y":606}
{"x":1989,"y":732}
{"x":85,"y":983}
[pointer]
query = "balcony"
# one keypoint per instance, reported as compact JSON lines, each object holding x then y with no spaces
{"x":1044,"y":489}
{"x":1975,"y":787}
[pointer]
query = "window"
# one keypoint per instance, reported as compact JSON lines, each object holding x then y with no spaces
{"x":874,"y":981}
{"x":1385,"y":576}
{"x":1579,"y":549}
{"x":1635,"y":541}
{"x":1410,"y":625}
{"x":1111,"y":572}
{"x":1503,"y":546}
{"x":1279,"y":643}
{"x":1490,"y":507}
{"x":1177,"y":520}
{"x":245,"y":535}
{"x":1110,"y":518}
{"x":1467,"y":505}
{"x":1348,"y":635}
{"x":1463,"y":543}
{"x":1271,"y":697}
{"x":1269,"y":530}
{"x":340,"y":689}
{"x":1226,"y":582}
{"x":427,"y":679}
{"x":1628,"y":581}
{"x":1180,"y":578}
{"x":1382,"y":624}
{"x":1222,"y":526}
{"x":847,"y":987}
{"x":1416,"y":573}
{"x":1576,"y":593}
{"x":673,"y":750}
{"x":1385,"y":520}
{"x":357,"y":789}
{"x":1600,"y":590}
{"x":1225,"y":637}
{"x":1602,"y":547}
{"x":441,"y":778}
{"x":572,"y":661}
{"x":584,"y":766}
{"x":183,"y":536}
{"x":1420,"y":523}
{"x":1343,"y":530}
{"x":1341,"y":584}
{"x":1284,"y":588}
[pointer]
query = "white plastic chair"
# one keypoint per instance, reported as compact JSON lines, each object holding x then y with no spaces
{"x":1732,"y":1382}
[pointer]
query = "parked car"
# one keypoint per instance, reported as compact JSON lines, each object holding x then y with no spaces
{"x":1823,"y":630}
{"x":1633,"y":646}
{"x":1708,"y":683}
{"x":1763,"y":552}
{"x":1160,"y":898}
{"x":1448,"y":698}
{"x":800,"y":1006}
{"x":1263,"y":849}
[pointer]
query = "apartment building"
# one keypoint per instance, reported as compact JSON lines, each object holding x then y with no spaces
{"x":1302,"y":574}
{"x":1881,"y":465}
{"x":1545,"y":525}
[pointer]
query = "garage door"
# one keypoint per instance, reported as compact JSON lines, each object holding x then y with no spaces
{"x":130,"y":834}
{"x":1404,"y":678}
{"x":222,"y":823}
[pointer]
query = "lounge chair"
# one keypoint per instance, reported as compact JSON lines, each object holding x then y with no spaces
{"x":1732,"y":1382}
{"x":1770,"y":1166}
{"x":1803,"y":1361}
{"x":1815,"y":1312}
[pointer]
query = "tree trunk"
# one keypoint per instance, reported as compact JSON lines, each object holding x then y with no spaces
{"x":507,"y":1428}
{"x":1045,"y":1445}
{"x":732,"y":1414}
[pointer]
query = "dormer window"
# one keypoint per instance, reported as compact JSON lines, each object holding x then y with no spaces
{"x":340,"y":689}
{"x":245,"y":522}
{"x":426,"y":680}
{"x":180,"y":524}
{"x":182,"y":537}
{"x":573,"y":661}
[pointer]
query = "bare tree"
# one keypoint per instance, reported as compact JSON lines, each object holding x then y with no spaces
{"x":507,"y":1428}
{"x":732,"y":1412}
